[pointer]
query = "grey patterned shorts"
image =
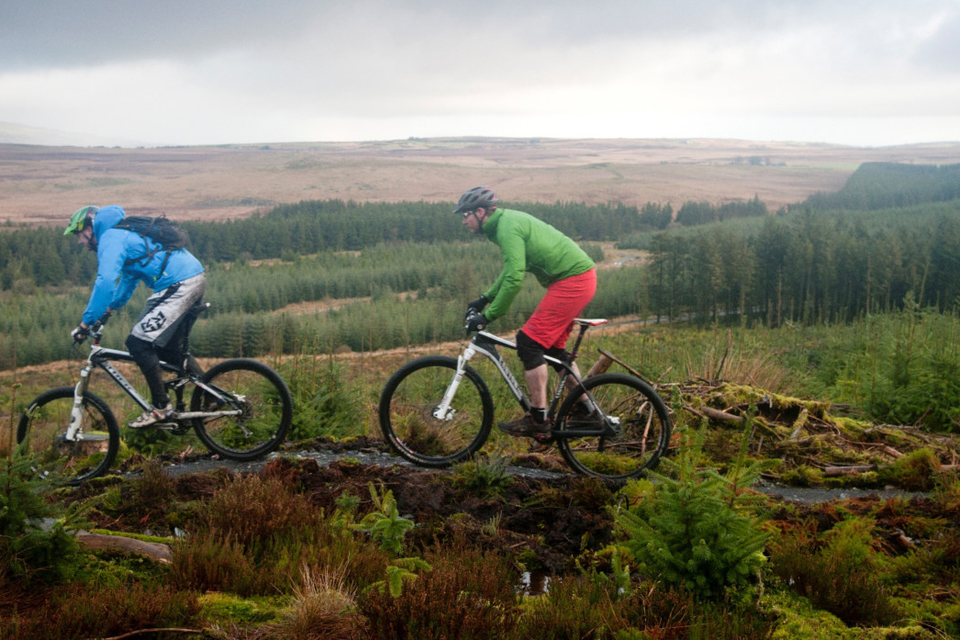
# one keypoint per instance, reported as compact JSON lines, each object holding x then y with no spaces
{"x":165,"y":309}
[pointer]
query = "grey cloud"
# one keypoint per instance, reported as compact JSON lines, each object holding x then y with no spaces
{"x":64,"y":33}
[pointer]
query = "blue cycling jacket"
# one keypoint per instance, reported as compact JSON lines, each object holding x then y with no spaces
{"x":116,"y":280}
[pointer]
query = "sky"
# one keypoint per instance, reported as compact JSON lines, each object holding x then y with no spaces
{"x":198,"y":72}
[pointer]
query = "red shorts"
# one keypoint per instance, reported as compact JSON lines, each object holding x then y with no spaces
{"x":552,"y":321}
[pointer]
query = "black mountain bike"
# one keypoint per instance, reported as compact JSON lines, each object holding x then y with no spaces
{"x":240,"y":409}
{"x":436,"y":411}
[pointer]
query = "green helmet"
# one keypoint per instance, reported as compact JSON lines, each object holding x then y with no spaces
{"x":80,"y":219}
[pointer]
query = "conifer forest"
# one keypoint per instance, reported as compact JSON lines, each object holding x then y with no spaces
{"x":814,"y":348}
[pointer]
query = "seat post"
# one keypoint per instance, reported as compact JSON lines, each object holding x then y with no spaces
{"x":576,"y":345}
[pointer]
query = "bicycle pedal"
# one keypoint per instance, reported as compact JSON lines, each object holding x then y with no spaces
{"x":543,"y":438}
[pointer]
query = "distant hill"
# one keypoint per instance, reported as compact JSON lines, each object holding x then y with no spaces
{"x":11,"y":133}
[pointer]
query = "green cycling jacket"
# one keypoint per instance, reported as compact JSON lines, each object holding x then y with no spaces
{"x":528,"y":244}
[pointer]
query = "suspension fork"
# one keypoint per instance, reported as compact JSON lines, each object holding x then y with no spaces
{"x":76,"y":411}
{"x":443,"y":410}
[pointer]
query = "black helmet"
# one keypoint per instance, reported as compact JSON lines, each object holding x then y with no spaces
{"x":476,"y":198}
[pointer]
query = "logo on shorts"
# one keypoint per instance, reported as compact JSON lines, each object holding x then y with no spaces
{"x":153,"y":324}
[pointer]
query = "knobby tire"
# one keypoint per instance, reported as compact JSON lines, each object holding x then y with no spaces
{"x":644,"y":436}
{"x":43,"y":427}
{"x":262,"y":396}
{"x":406,"y":412}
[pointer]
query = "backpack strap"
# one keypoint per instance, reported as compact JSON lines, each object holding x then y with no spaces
{"x":144,"y":260}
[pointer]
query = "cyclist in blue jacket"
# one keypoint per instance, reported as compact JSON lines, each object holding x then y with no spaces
{"x":124,"y":259}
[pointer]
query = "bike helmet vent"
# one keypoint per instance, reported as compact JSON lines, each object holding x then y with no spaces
{"x":80,"y":219}
{"x":476,"y":198}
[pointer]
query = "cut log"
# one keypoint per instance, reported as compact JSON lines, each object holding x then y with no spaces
{"x":601,"y":365}
{"x":127,"y":546}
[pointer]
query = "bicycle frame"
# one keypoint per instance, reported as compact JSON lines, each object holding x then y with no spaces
{"x":101,"y":357}
{"x":485,"y":344}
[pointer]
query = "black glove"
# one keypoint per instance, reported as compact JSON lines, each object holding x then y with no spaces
{"x":80,"y":333}
{"x":475,"y":321}
{"x":477,"y":305}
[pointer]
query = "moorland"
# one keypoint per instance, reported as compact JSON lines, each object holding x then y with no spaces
{"x":232,"y":181}
{"x":794,"y":304}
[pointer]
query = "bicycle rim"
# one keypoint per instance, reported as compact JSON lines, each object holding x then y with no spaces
{"x":254,"y":411}
{"x":643,"y":432}
{"x":408,"y":406}
{"x":43,"y":427}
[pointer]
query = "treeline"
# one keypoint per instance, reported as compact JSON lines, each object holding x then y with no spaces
{"x":696,"y":213}
{"x":886,"y":185}
{"x":418,"y":294}
{"x":45,"y":257}
{"x":810,"y":266}
{"x":655,"y":216}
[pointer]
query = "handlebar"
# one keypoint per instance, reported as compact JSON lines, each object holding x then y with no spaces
{"x":470,"y":315}
{"x":93,"y":330}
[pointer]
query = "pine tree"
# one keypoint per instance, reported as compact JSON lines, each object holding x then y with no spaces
{"x":692,"y":531}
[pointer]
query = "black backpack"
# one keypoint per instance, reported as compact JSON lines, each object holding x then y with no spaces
{"x":168,"y":234}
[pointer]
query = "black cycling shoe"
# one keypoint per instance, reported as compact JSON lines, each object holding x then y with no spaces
{"x":527,"y":427}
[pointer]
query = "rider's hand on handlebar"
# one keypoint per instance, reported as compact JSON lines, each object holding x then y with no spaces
{"x":80,"y":333}
{"x":476,"y":306}
{"x":475,"y":321}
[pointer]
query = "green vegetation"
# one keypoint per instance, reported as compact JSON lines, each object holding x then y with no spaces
{"x":695,"y":532}
{"x":836,"y":369}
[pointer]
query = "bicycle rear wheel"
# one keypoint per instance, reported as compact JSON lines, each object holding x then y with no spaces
{"x":640,"y":429}
{"x":255,"y":409}
{"x":408,"y":417}
{"x":43,"y":427}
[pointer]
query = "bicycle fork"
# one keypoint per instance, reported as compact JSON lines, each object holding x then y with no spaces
{"x":444,"y":411}
{"x":74,"y":429}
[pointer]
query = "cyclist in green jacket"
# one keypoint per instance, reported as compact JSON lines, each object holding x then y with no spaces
{"x":569,"y":275}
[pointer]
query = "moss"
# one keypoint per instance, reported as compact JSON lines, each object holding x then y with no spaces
{"x":865,"y":480}
{"x":135,"y":536}
{"x":852,"y":427}
{"x":226,"y":609}
{"x":101,"y":483}
{"x":798,"y":619}
{"x":104,"y":571}
{"x":802,"y":476}
{"x":730,"y":394}
{"x":915,"y":471}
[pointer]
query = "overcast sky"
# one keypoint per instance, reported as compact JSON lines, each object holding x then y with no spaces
{"x":862,"y":72}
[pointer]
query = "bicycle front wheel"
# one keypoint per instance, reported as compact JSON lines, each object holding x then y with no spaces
{"x":636,"y":435}
{"x":412,"y":424}
{"x":43,"y":427}
{"x":252,"y":409}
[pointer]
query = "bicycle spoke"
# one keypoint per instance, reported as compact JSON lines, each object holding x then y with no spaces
{"x":642,"y":429}
{"x":411,"y":423}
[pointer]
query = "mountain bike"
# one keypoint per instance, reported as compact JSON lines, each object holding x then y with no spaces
{"x":240,"y":409}
{"x":436,"y":411}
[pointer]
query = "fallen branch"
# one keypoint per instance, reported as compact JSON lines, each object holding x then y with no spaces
{"x":155,"y":551}
{"x":623,"y":364}
{"x":716,"y":414}
{"x":845,"y":471}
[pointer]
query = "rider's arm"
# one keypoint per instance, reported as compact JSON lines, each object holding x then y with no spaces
{"x":128,"y":284}
{"x":508,"y":284}
{"x":110,"y":259}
